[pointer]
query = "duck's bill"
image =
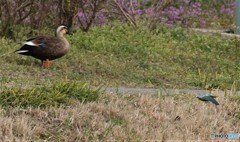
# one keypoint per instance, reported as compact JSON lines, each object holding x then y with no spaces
{"x":69,"y":33}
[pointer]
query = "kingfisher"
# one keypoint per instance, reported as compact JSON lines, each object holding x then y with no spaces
{"x":209,"y":98}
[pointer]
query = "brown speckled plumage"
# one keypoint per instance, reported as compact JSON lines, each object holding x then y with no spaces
{"x":47,"y":48}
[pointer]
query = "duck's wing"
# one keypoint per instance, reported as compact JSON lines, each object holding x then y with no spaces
{"x":33,"y":43}
{"x":37,"y":41}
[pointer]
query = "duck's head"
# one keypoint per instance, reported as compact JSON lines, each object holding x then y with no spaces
{"x":62,"y":30}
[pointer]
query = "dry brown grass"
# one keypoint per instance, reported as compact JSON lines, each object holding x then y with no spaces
{"x":124,"y":118}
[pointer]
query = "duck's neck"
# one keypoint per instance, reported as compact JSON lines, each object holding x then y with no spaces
{"x":60,"y":36}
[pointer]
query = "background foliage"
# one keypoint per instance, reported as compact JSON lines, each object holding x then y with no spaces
{"x":84,"y":14}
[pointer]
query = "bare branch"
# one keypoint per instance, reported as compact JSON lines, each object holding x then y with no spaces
{"x":24,"y":17}
{"x":23,"y":6}
{"x":126,"y":15}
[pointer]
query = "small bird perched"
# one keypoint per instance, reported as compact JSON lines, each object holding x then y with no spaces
{"x":47,"y":48}
{"x":208,"y":98}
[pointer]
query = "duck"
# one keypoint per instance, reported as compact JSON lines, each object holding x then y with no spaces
{"x":209,"y":98}
{"x":47,"y":48}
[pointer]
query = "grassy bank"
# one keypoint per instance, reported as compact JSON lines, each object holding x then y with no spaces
{"x":58,"y":104}
{"x":118,"y":55}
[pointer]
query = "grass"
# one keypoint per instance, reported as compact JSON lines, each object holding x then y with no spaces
{"x":124,"y":117}
{"x":119,"y":55}
{"x":55,"y":95}
{"x":58,"y":104}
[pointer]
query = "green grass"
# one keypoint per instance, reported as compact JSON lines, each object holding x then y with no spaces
{"x":61,"y":93}
{"x":58,"y":104}
{"x":118,"y":55}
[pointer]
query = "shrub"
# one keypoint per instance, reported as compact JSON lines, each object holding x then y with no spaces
{"x":87,"y":13}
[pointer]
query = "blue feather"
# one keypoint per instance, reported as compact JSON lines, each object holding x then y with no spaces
{"x":43,"y":45}
{"x":209,"y":99}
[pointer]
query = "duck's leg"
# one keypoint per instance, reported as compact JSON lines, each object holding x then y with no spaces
{"x":47,"y":64}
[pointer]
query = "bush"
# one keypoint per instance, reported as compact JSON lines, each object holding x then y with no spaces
{"x":85,"y":14}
